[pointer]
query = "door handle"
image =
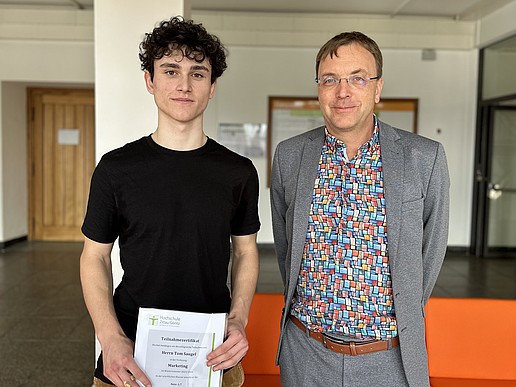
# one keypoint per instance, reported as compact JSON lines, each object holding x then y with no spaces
{"x":494,"y":191}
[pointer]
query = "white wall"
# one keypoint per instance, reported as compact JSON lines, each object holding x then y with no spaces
{"x":58,"y":50}
{"x":14,"y":161}
{"x":446,"y":89}
{"x":496,"y":26}
{"x":311,"y":30}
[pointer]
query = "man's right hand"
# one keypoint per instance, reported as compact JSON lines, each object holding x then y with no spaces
{"x":119,"y":364}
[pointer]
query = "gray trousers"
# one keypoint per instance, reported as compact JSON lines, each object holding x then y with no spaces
{"x":304,"y":362}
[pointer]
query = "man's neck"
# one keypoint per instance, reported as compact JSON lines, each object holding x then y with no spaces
{"x":354,"y":140}
{"x":181,"y":138}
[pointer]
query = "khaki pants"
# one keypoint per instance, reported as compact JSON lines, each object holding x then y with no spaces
{"x":234,"y":377}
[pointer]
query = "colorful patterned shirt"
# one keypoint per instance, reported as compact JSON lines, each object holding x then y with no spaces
{"x":344,"y":285}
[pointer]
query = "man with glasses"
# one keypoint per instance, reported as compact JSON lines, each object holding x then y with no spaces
{"x":174,"y":199}
{"x":360,"y":222}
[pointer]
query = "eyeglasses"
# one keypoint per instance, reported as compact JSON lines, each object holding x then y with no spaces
{"x":356,"y":80}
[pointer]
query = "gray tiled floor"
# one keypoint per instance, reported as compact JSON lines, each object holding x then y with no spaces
{"x":46,"y":338}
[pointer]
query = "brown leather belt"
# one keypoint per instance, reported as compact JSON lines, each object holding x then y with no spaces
{"x":348,"y":348}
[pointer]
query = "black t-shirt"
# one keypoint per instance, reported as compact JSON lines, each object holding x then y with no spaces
{"x":173,"y":212}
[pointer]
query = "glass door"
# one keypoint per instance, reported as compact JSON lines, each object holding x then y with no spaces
{"x":500,"y":230}
{"x":493,"y":227}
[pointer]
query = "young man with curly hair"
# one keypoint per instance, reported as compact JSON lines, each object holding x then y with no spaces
{"x":178,"y":202}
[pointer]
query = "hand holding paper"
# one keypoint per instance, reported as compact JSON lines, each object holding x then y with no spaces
{"x":172,"y":346}
{"x":119,"y":363}
{"x":234,"y":348}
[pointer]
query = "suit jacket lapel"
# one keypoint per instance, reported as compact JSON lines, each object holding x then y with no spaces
{"x":393,"y":176}
{"x":308,"y":166}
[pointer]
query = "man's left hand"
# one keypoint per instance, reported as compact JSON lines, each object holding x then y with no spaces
{"x":232,"y":350}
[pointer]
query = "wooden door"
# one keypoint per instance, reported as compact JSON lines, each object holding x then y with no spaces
{"x":61,"y":161}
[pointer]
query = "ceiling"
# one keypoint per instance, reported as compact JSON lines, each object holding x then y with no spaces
{"x":454,"y":9}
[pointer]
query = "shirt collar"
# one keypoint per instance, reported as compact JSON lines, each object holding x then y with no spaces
{"x":333,"y":143}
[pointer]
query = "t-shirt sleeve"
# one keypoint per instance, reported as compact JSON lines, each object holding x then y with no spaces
{"x":246,"y":220}
{"x":101,"y":220}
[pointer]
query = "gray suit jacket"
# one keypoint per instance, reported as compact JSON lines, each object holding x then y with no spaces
{"x":417,"y":205}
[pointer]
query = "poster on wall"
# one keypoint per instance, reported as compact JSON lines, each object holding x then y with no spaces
{"x":246,"y":139}
{"x":291,"y":116}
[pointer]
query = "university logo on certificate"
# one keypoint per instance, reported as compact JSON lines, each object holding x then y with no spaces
{"x":171,"y":347}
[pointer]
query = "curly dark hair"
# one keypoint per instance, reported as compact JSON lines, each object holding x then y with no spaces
{"x":186,"y":36}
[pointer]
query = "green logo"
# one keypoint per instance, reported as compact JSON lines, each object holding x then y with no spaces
{"x":153,"y":320}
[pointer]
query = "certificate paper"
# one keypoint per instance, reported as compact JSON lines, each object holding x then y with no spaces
{"x":171,"y":347}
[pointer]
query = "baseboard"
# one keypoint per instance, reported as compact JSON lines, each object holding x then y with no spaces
{"x":4,"y":245}
{"x":464,"y":250}
{"x":265,"y":246}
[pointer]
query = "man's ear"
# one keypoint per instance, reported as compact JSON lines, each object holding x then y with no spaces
{"x":378,"y":91}
{"x":148,"y":82}
{"x":212,"y":90}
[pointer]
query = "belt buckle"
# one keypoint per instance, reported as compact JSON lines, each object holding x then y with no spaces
{"x":335,"y":340}
{"x":350,"y":344}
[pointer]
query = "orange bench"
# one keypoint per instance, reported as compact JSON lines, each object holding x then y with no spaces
{"x":471,"y":342}
{"x":459,"y":354}
{"x":262,"y":333}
